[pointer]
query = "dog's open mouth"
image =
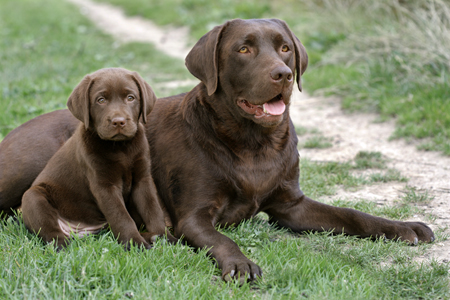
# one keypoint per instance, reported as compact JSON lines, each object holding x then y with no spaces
{"x":273,"y":107}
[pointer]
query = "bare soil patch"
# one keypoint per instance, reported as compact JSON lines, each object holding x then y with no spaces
{"x":349,"y":133}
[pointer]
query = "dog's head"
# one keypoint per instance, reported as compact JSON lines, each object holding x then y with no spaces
{"x":111,"y":101}
{"x":253,"y":62}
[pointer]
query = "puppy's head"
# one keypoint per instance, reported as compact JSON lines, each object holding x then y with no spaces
{"x":111,"y":101}
{"x":252,"y":63}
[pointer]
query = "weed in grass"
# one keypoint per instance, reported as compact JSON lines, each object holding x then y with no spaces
{"x":389,"y":175}
{"x":300,"y":130}
{"x":413,"y":195}
{"x":317,"y":141}
{"x":426,"y":146}
{"x":369,"y":160}
{"x":397,"y":212}
{"x":404,"y":208}
{"x":442,"y":234}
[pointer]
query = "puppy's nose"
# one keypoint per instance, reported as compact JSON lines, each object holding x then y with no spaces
{"x":119,"y":122}
{"x":281,"y":73}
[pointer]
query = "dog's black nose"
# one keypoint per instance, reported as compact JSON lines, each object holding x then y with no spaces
{"x":119,"y":122}
{"x":281,"y":73}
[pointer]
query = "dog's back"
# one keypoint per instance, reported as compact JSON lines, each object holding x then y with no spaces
{"x":25,"y":151}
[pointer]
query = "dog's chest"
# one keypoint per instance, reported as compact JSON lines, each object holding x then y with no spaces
{"x":254,"y":176}
{"x":251,"y":184}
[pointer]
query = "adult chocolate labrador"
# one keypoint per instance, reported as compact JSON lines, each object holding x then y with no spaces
{"x":227,"y":149}
{"x":101,"y":175}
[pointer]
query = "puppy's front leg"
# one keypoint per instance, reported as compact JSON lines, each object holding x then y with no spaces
{"x":146,"y":202}
{"x":111,"y":203}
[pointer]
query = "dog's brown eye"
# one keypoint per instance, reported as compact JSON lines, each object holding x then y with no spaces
{"x":285,"y":48}
{"x":101,"y":100}
{"x":130,"y":98}
{"x":243,"y":50}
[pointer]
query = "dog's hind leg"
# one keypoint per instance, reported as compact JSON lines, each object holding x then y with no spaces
{"x":41,"y":217}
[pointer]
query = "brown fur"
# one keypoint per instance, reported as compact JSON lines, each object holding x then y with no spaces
{"x":214,"y":162}
{"x":102,"y":173}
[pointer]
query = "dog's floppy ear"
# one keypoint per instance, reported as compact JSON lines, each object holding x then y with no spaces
{"x":79,"y":102}
{"x":147,"y":96}
{"x":301,"y":58}
{"x":203,"y":60}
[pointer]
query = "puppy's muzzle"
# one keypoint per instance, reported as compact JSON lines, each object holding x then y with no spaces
{"x":118,"y":122}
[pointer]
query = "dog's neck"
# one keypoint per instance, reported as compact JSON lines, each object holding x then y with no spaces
{"x":227,"y":124}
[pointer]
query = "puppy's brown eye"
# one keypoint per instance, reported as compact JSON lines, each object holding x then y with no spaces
{"x":101,"y":100}
{"x":130,"y":98}
{"x":285,"y":48}
{"x":244,"y":50}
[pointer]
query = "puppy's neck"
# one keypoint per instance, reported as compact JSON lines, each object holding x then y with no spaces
{"x":91,"y":139}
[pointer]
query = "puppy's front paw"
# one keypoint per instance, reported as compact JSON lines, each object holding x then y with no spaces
{"x":152,"y":238}
{"x":140,"y":244}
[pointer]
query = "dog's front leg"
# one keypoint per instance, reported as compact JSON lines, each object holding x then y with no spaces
{"x":304,"y":214}
{"x":199,"y":232}
{"x":110,"y":201}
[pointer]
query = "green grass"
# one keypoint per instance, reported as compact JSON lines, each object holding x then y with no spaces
{"x":315,"y":266}
{"x":45,"y":50}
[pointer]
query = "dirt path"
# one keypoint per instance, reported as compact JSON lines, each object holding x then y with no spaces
{"x":350,"y":133}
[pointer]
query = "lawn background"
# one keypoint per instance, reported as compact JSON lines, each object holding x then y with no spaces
{"x":46,"y":47}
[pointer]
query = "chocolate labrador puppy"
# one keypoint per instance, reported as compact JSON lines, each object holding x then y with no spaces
{"x":101,"y":175}
{"x":227,"y":149}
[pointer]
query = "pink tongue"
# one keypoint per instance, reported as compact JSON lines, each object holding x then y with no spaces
{"x":275,"y":107}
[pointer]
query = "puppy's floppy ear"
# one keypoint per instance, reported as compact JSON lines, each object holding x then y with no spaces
{"x":146,"y":95}
{"x":203,"y":60}
{"x":79,"y":101}
{"x":301,"y":58}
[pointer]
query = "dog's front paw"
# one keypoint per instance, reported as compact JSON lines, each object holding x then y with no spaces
{"x":411,"y":232}
{"x":242,"y":270}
